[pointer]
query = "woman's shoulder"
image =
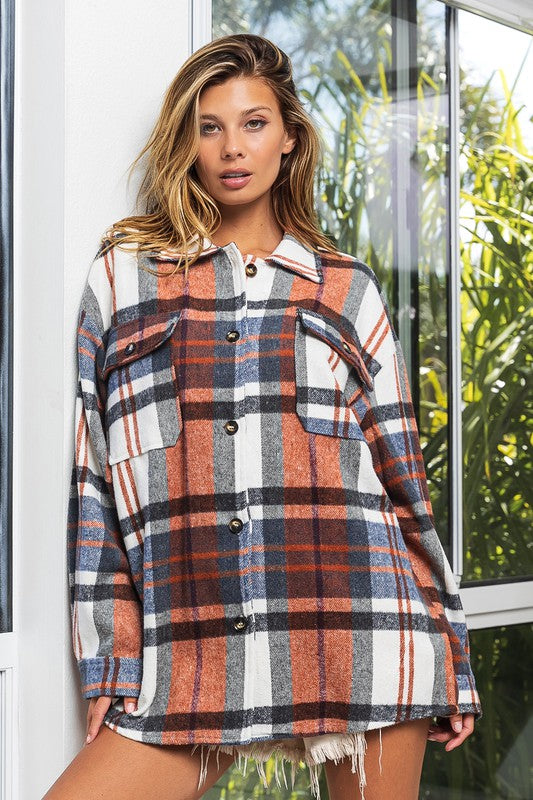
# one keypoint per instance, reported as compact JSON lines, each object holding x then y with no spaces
{"x":338,"y":258}
{"x":112,"y":265}
{"x":364,"y":296}
{"x":115,"y":239}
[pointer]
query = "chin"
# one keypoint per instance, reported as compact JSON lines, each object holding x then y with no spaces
{"x":236,"y":200}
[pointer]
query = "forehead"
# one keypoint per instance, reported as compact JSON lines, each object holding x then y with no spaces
{"x":236,"y":94}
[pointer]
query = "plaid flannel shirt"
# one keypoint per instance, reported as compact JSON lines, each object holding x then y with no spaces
{"x":251,"y":545}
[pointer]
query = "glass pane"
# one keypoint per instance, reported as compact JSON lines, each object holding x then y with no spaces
{"x":376,"y":86}
{"x":495,"y":762}
{"x":431,"y":335}
{"x":497,"y":281}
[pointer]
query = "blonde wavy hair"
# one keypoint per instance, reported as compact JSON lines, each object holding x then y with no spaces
{"x":178,"y":211}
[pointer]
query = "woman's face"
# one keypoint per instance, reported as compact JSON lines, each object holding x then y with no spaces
{"x":241,"y":129}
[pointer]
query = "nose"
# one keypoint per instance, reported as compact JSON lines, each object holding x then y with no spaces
{"x":232,"y":146}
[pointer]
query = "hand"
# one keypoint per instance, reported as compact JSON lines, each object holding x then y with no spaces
{"x":98,"y":707}
{"x":453,"y":730}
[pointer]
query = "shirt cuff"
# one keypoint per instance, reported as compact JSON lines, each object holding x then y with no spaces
{"x":111,"y":676}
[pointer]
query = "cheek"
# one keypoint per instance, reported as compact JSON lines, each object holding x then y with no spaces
{"x":202,"y":169}
{"x":206,"y":155}
{"x":268,"y":155}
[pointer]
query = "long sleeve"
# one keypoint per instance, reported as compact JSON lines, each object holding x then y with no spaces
{"x":105,"y":607}
{"x":388,"y":420}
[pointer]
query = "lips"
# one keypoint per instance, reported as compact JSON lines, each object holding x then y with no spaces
{"x":235,"y":179}
{"x":235,"y":173}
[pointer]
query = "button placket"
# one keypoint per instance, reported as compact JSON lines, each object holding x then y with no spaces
{"x":239,"y":522}
{"x":259,"y":282}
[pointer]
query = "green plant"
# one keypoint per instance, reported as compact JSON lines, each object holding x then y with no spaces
{"x":497,"y":341}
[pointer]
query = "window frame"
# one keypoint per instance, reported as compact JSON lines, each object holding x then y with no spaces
{"x":513,"y":13}
{"x":7,"y":56}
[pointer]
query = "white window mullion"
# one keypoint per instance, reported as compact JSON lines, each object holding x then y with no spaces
{"x":200,"y":23}
{"x":516,"y":13}
{"x":405,"y":194}
{"x":455,"y":464}
{"x":498,"y":604}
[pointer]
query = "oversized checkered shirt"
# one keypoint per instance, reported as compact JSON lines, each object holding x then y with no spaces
{"x":251,"y":545}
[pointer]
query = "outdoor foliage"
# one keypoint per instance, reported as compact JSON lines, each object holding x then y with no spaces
{"x":234,"y":786}
{"x":495,"y":762}
{"x":497,"y":336}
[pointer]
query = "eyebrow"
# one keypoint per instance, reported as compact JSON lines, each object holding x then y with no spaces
{"x":244,"y":113}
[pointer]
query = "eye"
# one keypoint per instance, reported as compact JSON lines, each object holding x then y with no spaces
{"x":207,"y":125}
{"x":261,"y":122}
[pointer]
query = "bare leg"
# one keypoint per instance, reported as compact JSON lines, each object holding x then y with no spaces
{"x":403,"y":748}
{"x":113,"y":766}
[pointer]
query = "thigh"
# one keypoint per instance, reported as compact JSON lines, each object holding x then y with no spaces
{"x":403,"y":748}
{"x":113,"y":766}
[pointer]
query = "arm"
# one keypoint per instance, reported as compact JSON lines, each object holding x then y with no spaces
{"x":106,"y":613}
{"x":388,"y":421}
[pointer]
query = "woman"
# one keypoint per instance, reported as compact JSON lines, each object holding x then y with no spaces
{"x":253,"y":564}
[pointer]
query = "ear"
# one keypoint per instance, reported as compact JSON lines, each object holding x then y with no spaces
{"x":290,"y":141}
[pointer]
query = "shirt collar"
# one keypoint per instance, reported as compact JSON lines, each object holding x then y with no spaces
{"x":289,"y":253}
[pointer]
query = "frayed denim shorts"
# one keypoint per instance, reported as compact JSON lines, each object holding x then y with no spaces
{"x":313,"y":751}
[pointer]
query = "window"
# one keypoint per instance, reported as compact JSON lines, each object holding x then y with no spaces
{"x":426,"y":118}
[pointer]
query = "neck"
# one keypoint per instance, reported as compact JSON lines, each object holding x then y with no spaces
{"x":252,"y":228}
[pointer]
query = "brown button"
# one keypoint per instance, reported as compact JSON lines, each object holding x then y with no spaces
{"x":251,"y":269}
{"x":231,"y":426}
{"x":240,"y":623}
{"x":235,"y":525}
{"x":130,"y":348}
{"x":232,"y":336}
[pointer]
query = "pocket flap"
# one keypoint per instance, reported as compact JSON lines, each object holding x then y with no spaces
{"x":343,"y":342}
{"x":137,"y":337}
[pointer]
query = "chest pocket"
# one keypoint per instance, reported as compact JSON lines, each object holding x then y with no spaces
{"x":142,"y":409}
{"x":331,"y":368}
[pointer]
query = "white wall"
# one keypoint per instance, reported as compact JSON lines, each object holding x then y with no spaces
{"x":90,"y":75}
